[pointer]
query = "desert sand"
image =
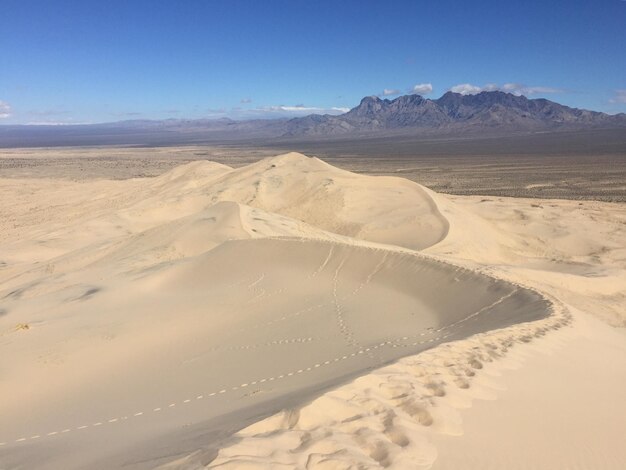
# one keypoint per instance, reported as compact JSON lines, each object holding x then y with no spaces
{"x":289,"y":314}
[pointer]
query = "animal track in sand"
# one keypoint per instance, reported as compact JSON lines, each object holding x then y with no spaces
{"x":324,"y":263}
{"x":246,"y":347}
{"x":212,"y":394}
{"x":341,"y":323}
{"x":209,"y":395}
{"x":371,"y":275}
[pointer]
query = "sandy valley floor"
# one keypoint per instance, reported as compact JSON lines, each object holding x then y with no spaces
{"x":289,"y":314}
{"x":576,"y":175}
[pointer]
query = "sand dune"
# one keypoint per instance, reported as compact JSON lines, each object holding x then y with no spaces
{"x":574,"y":250}
{"x":519,"y":397}
{"x":144,"y":321}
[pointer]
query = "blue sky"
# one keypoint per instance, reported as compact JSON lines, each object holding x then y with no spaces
{"x":96,"y":61}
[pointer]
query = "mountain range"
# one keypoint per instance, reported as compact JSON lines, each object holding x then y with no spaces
{"x":489,"y":110}
{"x":453,"y":114}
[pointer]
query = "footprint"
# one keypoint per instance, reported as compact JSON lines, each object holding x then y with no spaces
{"x":394,"y":434}
{"x":437,"y":389}
{"x":417,"y":411}
{"x":475,"y":363}
{"x":398,"y":437}
{"x":291,"y":417}
{"x":470,"y":372}
{"x":378,"y":451}
{"x":462,"y":383}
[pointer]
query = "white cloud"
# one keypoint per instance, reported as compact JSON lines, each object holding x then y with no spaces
{"x":5,"y":110}
{"x":422,"y":88}
{"x":517,"y":89}
{"x":466,"y":89}
{"x":301,"y":109}
{"x":490,"y":87}
{"x":619,"y":97}
{"x":278,"y":111}
{"x":246,"y":100}
{"x":390,"y":92}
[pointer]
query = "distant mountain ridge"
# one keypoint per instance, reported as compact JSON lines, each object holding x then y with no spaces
{"x":453,"y":115}
{"x":494,"y":110}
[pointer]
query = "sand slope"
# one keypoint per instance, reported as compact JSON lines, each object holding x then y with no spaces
{"x":570,"y":417}
{"x":517,"y":398}
{"x":142,"y":322}
{"x":575,"y":250}
{"x":157,"y":310}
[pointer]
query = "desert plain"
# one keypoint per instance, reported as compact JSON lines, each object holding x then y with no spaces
{"x":224,"y":307}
